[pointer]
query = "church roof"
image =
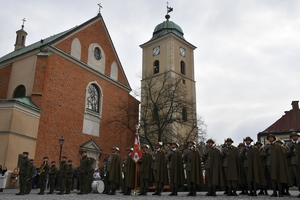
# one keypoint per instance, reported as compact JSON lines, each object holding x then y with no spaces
{"x":22,"y":101}
{"x":34,"y":46}
{"x":165,"y":28}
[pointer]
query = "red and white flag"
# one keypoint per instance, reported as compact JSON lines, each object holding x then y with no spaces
{"x":137,"y":153}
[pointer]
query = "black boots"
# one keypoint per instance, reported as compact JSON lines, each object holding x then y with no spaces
{"x":113,"y":192}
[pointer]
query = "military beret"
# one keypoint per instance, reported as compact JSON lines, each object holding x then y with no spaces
{"x":53,"y":161}
{"x":229,"y":140}
{"x":45,"y":157}
{"x":294,"y":134}
{"x":25,"y":152}
{"x":64,"y":157}
{"x":210,"y":140}
{"x":69,"y":160}
{"x":248,"y":138}
{"x":83,"y":152}
{"x":30,"y":159}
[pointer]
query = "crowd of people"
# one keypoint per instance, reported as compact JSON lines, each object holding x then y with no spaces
{"x":251,"y":168}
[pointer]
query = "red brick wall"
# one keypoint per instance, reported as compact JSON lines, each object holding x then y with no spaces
{"x":4,"y":80}
{"x":63,"y":87}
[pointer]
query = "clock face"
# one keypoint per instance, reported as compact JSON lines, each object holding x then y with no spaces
{"x":156,"y":51}
{"x":182,"y":51}
{"x":97,"y":53}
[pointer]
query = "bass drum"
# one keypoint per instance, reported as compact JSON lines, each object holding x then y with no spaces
{"x":100,"y":186}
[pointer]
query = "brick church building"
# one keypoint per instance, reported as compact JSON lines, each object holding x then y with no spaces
{"x":69,"y":85}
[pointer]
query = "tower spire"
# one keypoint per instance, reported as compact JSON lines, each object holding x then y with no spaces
{"x":169,"y":9}
{"x":21,"y":37}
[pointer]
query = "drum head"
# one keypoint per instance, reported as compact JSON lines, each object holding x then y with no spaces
{"x":100,"y":186}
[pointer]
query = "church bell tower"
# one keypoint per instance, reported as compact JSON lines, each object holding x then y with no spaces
{"x":168,"y":94}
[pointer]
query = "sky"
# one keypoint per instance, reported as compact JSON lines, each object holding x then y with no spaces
{"x":246,"y":61}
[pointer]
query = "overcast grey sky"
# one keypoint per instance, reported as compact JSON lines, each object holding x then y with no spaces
{"x":246,"y":61}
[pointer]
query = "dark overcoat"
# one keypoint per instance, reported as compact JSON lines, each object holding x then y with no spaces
{"x":279,"y":170}
{"x":130,"y":173}
{"x":196,"y":169}
{"x":176,"y":171}
{"x":233,"y":164}
{"x":162,"y":171}
{"x":115,"y":169}
{"x":216,"y":169}
{"x":255,"y":171}
{"x":145,"y":163}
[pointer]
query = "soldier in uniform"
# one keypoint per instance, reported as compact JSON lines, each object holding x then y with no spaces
{"x":242,"y":176}
{"x":62,"y":174}
{"x":145,"y":172}
{"x":84,"y":169}
{"x":159,"y":167}
{"x":69,"y":180}
{"x":43,"y":172}
{"x":252,"y":167}
{"x":114,"y":170}
{"x":129,"y":175}
{"x":192,"y":160}
{"x":294,"y":160}
{"x":276,"y":162}
{"x":104,"y":176}
{"x":23,"y":173}
{"x":52,"y":175}
{"x":31,"y":174}
{"x":175,"y":169}
{"x":231,"y":166}
{"x":213,"y":168}
{"x":262,"y":154}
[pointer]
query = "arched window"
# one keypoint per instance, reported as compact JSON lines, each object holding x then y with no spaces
{"x":182,"y":67}
{"x":20,"y":91}
{"x":93,"y":98}
{"x":156,"y":67}
{"x":184,"y":114}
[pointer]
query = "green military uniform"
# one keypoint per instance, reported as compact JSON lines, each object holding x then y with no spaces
{"x":43,"y":172}
{"x":24,"y":173}
{"x":114,"y":171}
{"x":294,"y":159}
{"x":104,"y":176}
{"x":159,"y":167}
{"x":52,"y":176}
{"x":69,"y":179}
{"x":192,"y":159}
{"x":253,"y":167}
{"x":231,"y":166}
{"x":29,"y":180}
{"x":62,"y":174}
{"x":262,"y":155}
{"x":176,"y":170}
{"x":129,"y":175}
{"x":145,"y":172}
{"x":276,"y":162}
{"x":242,"y":183}
{"x":84,"y":173}
{"x":214,"y":176}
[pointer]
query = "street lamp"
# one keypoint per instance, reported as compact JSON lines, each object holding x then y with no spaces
{"x":61,"y":142}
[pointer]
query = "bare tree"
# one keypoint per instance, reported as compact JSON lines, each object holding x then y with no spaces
{"x":168,"y":112}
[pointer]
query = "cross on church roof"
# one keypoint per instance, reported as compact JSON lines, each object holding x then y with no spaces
{"x":24,"y":20}
{"x":99,"y":4}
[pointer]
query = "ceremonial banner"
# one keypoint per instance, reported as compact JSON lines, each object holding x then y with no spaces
{"x":137,"y":153}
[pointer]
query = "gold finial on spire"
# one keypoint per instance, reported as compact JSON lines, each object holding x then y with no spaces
{"x":100,"y":7}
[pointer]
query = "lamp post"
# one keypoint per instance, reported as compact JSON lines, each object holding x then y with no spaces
{"x":61,"y":143}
